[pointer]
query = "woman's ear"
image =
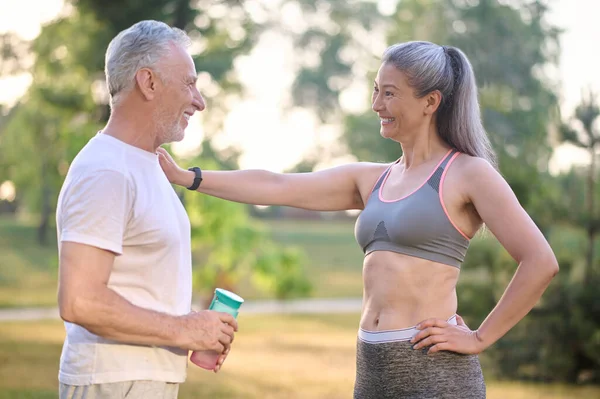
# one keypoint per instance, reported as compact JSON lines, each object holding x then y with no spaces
{"x":432,"y":102}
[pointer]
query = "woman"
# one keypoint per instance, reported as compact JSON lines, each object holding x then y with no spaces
{"x":418,"y":215}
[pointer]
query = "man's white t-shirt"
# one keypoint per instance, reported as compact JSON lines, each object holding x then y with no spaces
{"x":116,"y":197}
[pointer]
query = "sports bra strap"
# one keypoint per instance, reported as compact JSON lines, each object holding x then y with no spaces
{"x":382,"y":178}
{"x":436,"y":178}
{"x":447,"y":159}
{"x":433,"y":180}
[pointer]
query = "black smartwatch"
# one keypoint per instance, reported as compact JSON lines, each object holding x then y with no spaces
{"x":197,"y":178}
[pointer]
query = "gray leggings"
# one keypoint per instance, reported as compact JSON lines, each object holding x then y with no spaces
{"x":394,"y":370}
{"x":121,"y":390}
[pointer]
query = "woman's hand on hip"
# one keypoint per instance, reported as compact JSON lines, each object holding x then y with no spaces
{"x":443,"y":336}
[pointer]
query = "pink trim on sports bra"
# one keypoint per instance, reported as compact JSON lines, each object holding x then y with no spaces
{"x":380,"y":176}
{"x":416,"y":189}
{"x":441,"y":189}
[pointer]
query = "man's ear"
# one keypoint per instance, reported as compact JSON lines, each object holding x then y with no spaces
{"x":432,"y":102}
{"x":146,"y":80}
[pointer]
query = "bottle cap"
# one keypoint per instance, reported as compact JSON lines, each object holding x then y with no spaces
{"x":228,"y":298}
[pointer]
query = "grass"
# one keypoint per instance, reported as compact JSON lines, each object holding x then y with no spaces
{"x":292,"y":356}
{"x":334,"y":259}
{"x":28,"y":271}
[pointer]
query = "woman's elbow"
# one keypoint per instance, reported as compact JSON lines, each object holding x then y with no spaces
{"x":554,"y":268}
{"x":544,"y":267}
{"x":551,"y":266}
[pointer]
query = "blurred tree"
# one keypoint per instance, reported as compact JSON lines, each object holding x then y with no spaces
{"x":68,"y":85}
{"x":14,"y":54}
{"x":510,"y":45}
{"x":333,"y":49}
{"x":560,"y":339}
{"x":231,"y":248}
{"x":583,"y":132}
{"x":67,"y":103}
{"x":53,"y":119}
{"x":570,"y":317}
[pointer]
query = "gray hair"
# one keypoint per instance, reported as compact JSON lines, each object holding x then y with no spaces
{"x":136,"y":47}
{"x":429,"y":67}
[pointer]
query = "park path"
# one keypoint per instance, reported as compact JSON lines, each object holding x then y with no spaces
{"x":311,"y":306}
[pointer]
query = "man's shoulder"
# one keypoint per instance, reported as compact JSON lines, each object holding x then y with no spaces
{"x":96,"y":157}
{"x":96,"y":168}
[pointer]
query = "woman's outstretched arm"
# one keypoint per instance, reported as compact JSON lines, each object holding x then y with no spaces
{"x":337,"y":188}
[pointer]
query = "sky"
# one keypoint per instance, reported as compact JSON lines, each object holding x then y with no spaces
{"x":274,"y":140}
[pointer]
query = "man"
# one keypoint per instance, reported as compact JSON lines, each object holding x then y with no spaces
{"x":124,"y":236}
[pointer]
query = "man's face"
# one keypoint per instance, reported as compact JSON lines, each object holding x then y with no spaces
{"x":180,"y":97}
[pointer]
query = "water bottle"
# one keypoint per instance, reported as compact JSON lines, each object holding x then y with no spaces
{"x":223,"y":301}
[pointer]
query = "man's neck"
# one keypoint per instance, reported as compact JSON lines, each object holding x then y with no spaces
{"x":132,"y":128}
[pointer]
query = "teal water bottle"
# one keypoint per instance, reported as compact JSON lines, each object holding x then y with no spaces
{"x":223,"y":301}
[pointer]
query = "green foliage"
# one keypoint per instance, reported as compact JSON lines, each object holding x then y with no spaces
{"x":232,"y":247}
{"x":337,"y":26}
{"x":508,"y":46}
{"x":558,"y":340}
{"x":54,"y":119}
{"x":364,"y":141}
{"x":333,"y":259}
{"x":572,"y":340}
{"x":584,"y":135}
{"x":278,"y":271}
{"x":487,"y":269}
{"x":28,"y":271}
{"x":13,"y":53}
{"x":62,"y":110}
{"x":46,"y":129}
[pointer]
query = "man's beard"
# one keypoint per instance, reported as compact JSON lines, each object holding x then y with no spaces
{"x":169,"y":129}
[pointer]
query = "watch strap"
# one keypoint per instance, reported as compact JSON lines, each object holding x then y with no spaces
{"x":197,"y":178}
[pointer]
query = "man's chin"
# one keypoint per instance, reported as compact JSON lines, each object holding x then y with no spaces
{"x":178,"y":138}
{"x":175,"y":137}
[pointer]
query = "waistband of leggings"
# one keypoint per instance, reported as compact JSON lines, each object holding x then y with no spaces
{"x":403,"y":334}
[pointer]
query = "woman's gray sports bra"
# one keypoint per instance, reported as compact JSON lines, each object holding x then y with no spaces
{"x":417,"y":224}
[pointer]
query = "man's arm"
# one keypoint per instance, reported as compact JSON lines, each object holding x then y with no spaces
{"x":85,"y":299}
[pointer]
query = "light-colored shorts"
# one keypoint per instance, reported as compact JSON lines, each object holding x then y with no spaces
{"x":120,"y":390}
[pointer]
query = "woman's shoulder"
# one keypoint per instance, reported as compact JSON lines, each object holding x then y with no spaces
{"x":368,"y":168}
{"x":474,"y":170}
{"x":368,"y":173}
{"x":470,"y":164}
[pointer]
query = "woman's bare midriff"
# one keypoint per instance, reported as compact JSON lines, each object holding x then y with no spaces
{"x":401,"y":291}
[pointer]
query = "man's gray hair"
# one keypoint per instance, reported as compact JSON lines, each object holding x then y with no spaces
{"x":136,"y":47}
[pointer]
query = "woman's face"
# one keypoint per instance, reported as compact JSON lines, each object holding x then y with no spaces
{"x":400,"y":112}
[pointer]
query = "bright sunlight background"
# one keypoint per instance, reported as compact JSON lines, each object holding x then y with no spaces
{"x":274,"y":140}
